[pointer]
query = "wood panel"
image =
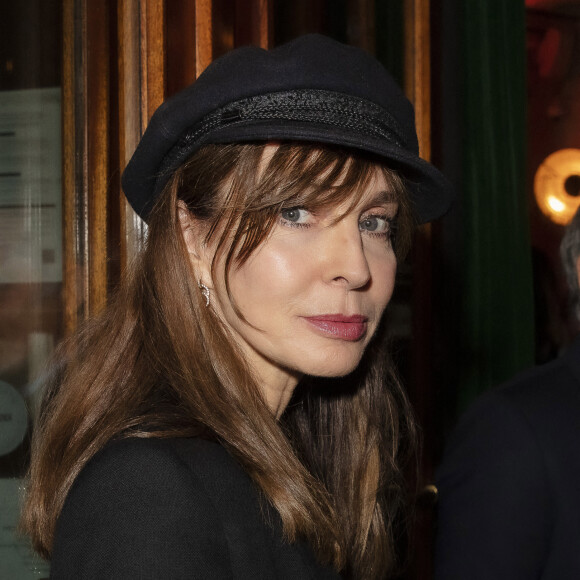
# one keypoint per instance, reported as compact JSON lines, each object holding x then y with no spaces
{"x":142,"y":71}
{"x":265,"y":24}
{"x":152,"y":36}
{"x":203,"y":34}
{"x":97,"y":83}
{"x":418,"y":88}
{"x":73,"y":240}
{"x":131,"y":117}
{"x":361,"y":29}
{"x":253,"y":23}
{"x":418,"y":68}
{"x":115,"y":75}
{"x":86,"y":168}
{"x":180,"y":46}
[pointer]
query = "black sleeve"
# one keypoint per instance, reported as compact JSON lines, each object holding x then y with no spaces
{"x":494,"y":499}
{"x":137,"y":512}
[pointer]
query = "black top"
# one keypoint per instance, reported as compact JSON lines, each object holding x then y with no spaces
{"x":172,"y":509}
{"x":509,"y":485}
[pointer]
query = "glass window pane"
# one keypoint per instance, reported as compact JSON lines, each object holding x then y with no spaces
{"x":30,"y":245}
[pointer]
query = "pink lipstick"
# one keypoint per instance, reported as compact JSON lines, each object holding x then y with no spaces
{"x":349,"y":328}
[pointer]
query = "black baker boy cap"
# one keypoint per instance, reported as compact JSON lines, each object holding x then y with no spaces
{"x":312,"y":89}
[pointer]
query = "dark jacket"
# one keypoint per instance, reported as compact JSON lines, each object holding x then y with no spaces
{"x":169,"y":509}
{"x":509,"y":485}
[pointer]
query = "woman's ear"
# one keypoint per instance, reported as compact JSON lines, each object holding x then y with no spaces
{"x":192,"y":232}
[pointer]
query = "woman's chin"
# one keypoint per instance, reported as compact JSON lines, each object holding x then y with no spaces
{"x":334,"y":368}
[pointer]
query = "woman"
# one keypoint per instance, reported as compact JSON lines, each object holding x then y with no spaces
{"x":216,"y":421}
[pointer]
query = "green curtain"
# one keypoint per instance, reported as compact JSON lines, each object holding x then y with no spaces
{"x":497,"y":310}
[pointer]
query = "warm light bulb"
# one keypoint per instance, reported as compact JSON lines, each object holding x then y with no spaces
{"x":556,"y":204}
{"x":556,"y":185}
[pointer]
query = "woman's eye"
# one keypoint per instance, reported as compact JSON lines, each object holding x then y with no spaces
{"x":376,"y":224}
{"x":295,"y":215}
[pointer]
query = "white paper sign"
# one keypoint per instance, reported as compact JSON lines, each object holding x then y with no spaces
{"x":30,"y":186}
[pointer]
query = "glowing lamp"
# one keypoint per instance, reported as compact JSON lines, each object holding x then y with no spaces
{"x":557,"y":185}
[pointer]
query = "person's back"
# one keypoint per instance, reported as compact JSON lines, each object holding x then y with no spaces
{"x":509,"y":483}
{"x":509,"y":501}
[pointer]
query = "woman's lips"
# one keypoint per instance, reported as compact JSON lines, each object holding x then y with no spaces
{"x":350,"y":328}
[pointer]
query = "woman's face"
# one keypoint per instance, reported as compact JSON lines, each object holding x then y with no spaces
{"x":314,"y":291}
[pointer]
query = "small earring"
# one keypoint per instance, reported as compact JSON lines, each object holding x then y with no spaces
{"x":205,"y":291}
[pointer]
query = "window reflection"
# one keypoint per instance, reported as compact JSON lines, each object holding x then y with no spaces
{"x":30,"y":244}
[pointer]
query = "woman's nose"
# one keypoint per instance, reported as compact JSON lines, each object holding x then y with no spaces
{"x":346,"y":261}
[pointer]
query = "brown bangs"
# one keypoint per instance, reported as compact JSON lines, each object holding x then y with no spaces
{"x":264,"y":182}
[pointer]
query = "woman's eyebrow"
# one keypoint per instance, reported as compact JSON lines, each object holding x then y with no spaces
{"x":381,"y":197}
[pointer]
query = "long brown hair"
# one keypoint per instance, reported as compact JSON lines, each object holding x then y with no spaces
{"x":158,"y":363}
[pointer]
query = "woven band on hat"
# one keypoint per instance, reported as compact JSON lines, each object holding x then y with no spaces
{"x":307,"y":105}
